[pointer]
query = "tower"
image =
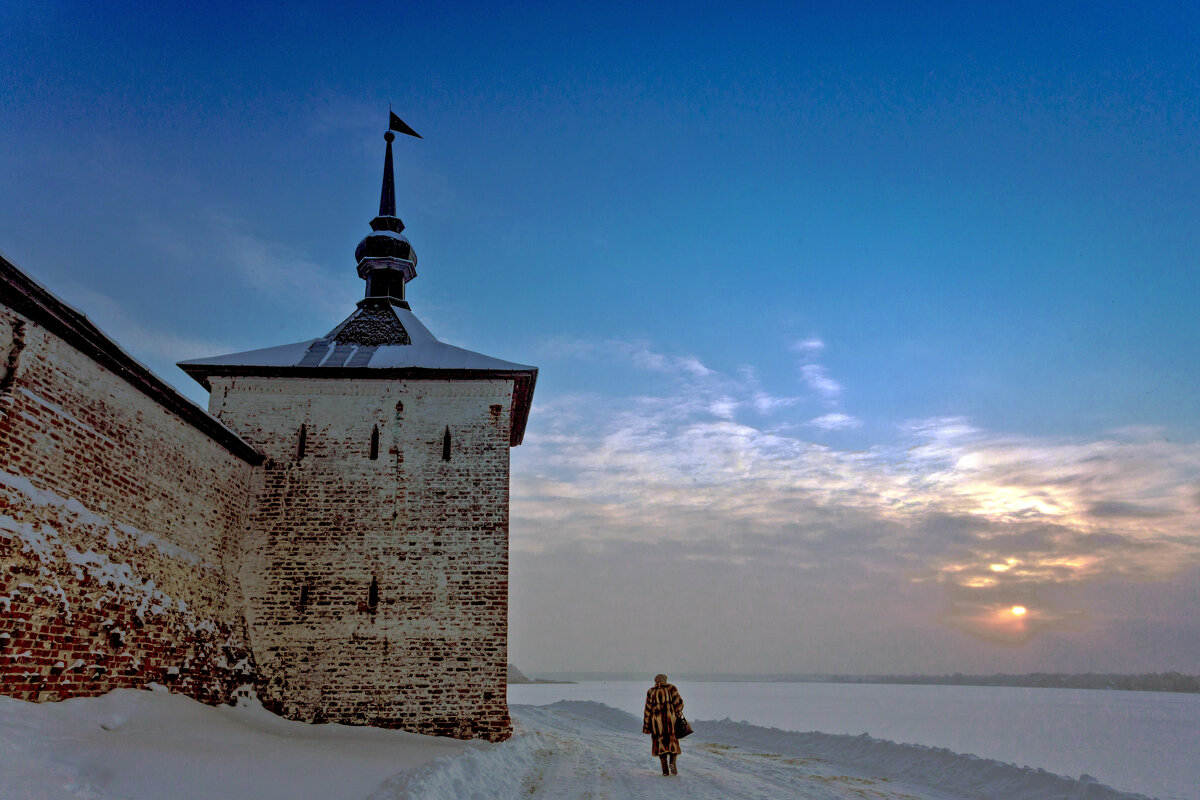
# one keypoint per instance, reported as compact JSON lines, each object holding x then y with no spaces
{"x":374,"y":568}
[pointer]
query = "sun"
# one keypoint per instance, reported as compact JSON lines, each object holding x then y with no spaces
{"x":1019,"y":610}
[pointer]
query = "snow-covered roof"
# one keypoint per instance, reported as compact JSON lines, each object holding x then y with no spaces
{"x":424,"y":352}
{"x":379,"y":339}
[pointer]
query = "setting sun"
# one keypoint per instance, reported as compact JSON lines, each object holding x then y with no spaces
{"x":1019,"y":610}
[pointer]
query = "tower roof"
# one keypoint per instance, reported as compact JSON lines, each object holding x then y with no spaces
{"x":376,"y":341}
{"x":382,"y":338}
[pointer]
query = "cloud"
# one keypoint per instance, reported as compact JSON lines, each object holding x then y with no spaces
{"x":817,"y":378}
{"x":835,"y":422}
{"x":1008,"y":622}
{"x":631,"y":352}
{"x":723,"y":407}
{"x":767,"y":403}
{"x":938,"y":430}
{"x":142,"y":341}
{"x":278,"y":269}
{"x":983,"y":519}
{"x":234,"y":254}
{"x":810,"y":346}
{"x":1127,"y":510}
{"x":156,"y":348}
{"x":814,"y":375}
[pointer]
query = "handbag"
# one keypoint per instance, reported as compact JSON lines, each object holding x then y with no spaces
{"x":682,"y":727}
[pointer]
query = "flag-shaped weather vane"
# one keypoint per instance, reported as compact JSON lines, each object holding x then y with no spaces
{"x":400,"y":126}
{"x":387,"y":197}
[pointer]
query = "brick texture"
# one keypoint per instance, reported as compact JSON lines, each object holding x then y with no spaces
{"x":347,"y":585}
{"x":425,"y":650}
{"x":116,"y":520}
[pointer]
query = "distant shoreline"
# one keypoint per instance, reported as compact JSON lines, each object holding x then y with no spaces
{"x":1144,"y":682}
{"x":1131,"y":682}
{"x":518,"y":678}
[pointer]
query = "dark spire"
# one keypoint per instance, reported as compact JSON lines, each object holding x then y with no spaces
{"x":386,"y":260}
{"x":387,"y":196}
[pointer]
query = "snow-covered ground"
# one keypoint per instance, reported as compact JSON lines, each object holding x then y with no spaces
{"x":141,"y":745}
{"x":1137,"y":741}
{"x":138,"y":745}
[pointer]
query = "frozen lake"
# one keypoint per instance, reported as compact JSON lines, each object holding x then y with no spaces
{"x":1144,"y":742}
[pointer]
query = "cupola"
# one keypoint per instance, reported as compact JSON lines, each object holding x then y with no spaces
{"x":382,"y":338}
{"x":386,"y":259}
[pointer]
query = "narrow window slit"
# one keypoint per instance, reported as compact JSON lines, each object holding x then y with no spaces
{"x":303,"y":596}
{"x":300,"y":444}
{"x":373,"y":594}
{"x":375,"y":443}
{"x":446,"y":444}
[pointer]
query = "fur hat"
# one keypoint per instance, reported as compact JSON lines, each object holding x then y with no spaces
{"x":659,"y":679}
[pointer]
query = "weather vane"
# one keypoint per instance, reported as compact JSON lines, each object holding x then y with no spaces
{"x":400,"y":126}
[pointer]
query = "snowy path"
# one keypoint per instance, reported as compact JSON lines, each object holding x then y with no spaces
{"x":617,"y":765}
{"x":574,"y":750}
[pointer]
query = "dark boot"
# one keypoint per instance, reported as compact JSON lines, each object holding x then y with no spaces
{"x":674,"y":769}
{"x":663,"y":760}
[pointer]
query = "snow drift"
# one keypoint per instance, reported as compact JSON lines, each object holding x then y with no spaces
{"x":153,"y":745}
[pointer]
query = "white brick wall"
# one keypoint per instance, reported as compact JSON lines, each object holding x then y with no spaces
{"x":430,"y":656}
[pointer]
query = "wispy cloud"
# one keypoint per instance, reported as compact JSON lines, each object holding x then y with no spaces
{"x":810,"y":346}
{"x":142,"y":341}
{"x":271,"y":266}
{"x":989,"y":519}
{"x":817,"y":378}
{"x":632,"y":352}
{"x":835,"y":422}
{"x":236,"y":255}
{"x":154,"y":346}
{"x":814,"y":374}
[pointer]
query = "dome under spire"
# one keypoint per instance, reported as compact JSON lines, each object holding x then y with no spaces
{"x":386,"y":259}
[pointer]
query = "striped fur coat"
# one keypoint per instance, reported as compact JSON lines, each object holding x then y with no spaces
{"x":663,"y":707}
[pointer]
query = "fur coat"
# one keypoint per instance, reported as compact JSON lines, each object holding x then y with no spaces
{"x":663,"y":707}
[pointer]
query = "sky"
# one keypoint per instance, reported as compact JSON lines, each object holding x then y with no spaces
{"x":866,"y":332}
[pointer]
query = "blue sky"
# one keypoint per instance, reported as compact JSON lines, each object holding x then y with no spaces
{"x":838,"y":308}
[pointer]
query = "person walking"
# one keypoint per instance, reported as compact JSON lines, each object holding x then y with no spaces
{"x":663,"y":707}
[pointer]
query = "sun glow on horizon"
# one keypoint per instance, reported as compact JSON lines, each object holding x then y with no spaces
{"x":1019,"y":610}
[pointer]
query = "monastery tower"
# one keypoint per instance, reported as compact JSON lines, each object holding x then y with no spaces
{"x":374,"y":571}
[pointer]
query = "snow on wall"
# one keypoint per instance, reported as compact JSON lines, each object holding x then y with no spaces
{"x":361,"y":577}
{"x":116,"y":518}
{"x":425,"y":650}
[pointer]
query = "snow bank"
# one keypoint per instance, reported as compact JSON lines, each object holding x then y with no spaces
{"x":142,"y":745}
{"x":483,"y":773}
{"x":950,"y":772}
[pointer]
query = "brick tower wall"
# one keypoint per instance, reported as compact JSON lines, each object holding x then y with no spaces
{"x":425,"y":650}
{"x":117,"y":516}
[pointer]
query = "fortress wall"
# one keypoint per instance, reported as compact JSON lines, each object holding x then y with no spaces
{"x":119,"y":507}
{"x":428,"y":652}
